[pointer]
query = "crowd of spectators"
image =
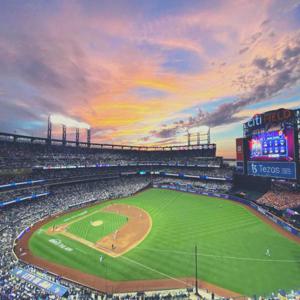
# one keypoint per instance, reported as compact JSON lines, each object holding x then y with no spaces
{"x":179,"y":294}
{"x":66,"y":176}
{"x":281,"y":196}
{"x":280,"y":200}
{"x":211,"y":172}
{"x":27,"y":155}
{"x":211,"y":186}
{"x":86,"y":172}
{"x":58,"y":174}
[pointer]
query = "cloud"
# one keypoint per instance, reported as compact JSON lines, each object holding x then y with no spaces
{"x":165,"y":132}
{"x":261,"y":63}
{"x":265,"y":23}
{"x":243,"y":50}
{"x":283,"y":73}
{"x":291,"y":52}
{"x":283,"y":76}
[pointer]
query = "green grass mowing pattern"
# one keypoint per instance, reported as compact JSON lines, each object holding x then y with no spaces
{"x":84,"y":229}
{"x":232,"y":244}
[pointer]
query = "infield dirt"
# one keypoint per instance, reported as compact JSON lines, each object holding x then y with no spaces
{"x":132,"y":233}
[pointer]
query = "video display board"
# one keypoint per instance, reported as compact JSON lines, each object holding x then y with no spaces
{"x":277,"y":145}
{"x":271,"y":148}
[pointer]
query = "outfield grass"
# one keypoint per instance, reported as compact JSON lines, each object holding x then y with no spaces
{"x":232,"y":244}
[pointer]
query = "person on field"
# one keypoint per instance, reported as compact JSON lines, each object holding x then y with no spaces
{"x":268,"y":252}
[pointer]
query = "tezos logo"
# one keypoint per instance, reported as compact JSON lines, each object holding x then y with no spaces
{"x":254,"y":168}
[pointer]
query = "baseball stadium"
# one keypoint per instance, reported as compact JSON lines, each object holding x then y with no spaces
{"x":126,"y":220}
{"x":150,"y":150}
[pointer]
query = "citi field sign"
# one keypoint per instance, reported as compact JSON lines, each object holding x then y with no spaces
{"x":271,"y":117}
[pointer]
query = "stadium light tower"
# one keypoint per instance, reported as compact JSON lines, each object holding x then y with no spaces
{"x":64,"y":134}
{"x":49,"y":131}
{"x":198,"y":138}
{"x":189,"y":139}
{"x":77,"y":137}
{"x":88,"y":137}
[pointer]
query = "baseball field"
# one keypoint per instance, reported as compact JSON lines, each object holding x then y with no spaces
{"x":152,"y":235}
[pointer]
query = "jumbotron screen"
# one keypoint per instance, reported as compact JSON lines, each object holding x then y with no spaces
{"x":275,"y":145}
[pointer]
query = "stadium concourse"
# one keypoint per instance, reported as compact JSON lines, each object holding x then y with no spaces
{"x":38,"y":181}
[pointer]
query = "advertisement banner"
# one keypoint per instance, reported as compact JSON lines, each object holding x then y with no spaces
{"x":45,"y":284}
{"x":17,"y":200}
{"x":269,"y":119}
{"x":240,"y":149}
{"x":283,"y":170}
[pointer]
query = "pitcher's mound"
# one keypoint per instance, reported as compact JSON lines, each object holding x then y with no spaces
{"x":97,"y":223}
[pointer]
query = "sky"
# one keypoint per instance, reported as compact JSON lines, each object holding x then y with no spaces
{"x":147,"y":72}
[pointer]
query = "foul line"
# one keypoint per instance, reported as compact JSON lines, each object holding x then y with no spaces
{"x":225,"y":257}
{"x":154,"y":270}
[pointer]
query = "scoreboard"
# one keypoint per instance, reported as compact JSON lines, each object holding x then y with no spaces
{"x":270,"y":146}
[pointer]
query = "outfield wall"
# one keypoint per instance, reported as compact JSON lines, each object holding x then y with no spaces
{"x":273,"y":218}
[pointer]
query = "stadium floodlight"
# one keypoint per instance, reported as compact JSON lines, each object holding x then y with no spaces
{"x":193,"y":130}
{"x":69,"y":122}
{"x":198,"y":129}
{"x":203,"y":128}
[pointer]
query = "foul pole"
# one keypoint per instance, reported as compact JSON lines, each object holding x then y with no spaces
{"x":196,"y":271}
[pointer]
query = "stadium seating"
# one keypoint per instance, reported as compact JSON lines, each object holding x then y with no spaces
{"x":24,"y":155}
{"x":280,"y":200}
